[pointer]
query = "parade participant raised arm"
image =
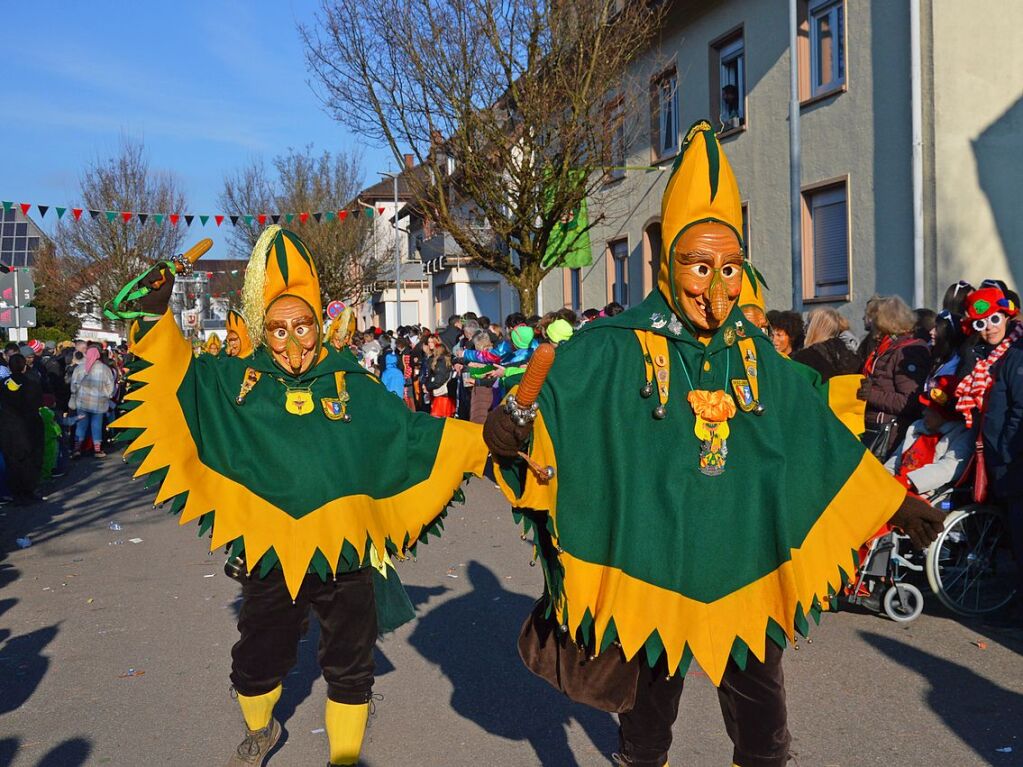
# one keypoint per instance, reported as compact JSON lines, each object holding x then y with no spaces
{"x":701,"y":498}
{"x":310,"y":471}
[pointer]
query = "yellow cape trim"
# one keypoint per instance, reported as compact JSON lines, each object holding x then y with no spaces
{"x":866,"y":501}
{"x":241,"y":513}
{"x":845,"y":404}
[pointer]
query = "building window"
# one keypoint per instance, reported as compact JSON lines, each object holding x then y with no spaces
{"x":574,"y":289}
{"x":664,"y":109}
{"x":826,"y":242}
{"x":614,"y":120}
{"x":745,"y":229}
{"x":821,"y":48}
{"x":619,"y":271}
{"x":728,"y":81}
{"x":827,"y":45}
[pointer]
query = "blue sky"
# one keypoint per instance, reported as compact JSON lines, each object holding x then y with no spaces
{"x":206,"y":86}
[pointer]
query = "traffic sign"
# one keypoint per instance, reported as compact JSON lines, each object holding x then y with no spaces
{"x":18,"y":317}
{"x":17,"y":288}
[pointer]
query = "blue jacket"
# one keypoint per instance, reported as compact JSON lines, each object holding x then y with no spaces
{"x":391,"y":377}
{"x":1003,"y":426}
{"x":504,"y":354}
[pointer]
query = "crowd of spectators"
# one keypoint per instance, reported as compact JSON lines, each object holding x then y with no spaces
{"x":56,"y":401}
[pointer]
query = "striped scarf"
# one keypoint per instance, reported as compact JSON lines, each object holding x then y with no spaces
{"x":973,"y":389}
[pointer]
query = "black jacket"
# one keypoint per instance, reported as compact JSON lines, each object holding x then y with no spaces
{"x":1003,"y":426}
{"x":829,"y":358}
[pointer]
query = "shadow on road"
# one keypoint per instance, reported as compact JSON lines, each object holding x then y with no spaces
{"x":73,"y":752}
{"x":471,"y":639}
{"x":982,"y":714}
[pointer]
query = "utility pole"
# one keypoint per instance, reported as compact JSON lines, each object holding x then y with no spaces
{"x":397,"y":252}
{"x":795,"y":175}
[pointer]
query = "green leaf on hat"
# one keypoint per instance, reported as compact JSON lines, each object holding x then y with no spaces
{"x":980,"y":306}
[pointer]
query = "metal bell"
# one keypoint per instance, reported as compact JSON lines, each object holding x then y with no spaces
{"x":647,"y":391}
{"x":660,"y":412}
{"x":758,"y":410}
{"x":346,"y":418}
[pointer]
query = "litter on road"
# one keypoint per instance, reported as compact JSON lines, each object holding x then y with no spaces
{"x":23,"y":543}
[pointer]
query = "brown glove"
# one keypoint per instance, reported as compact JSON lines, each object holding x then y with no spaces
{"x":863,"y":393}
{"x":160,"y":281}
{"x":919,"y":520}
{"x":503,"y":436}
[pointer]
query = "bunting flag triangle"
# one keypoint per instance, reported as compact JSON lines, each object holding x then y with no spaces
{"x":330,"y":215}
{"x":342,"y":214}
{"x":158,"y":217}
{"x":111,"y":215}
{"x":203,"y":219}
{"x":94,"y":213}
{"x":381,"y":211}
{"x":174,"y":217}
{"x":317,"y":216}
{"x":7,"y":204}
{"x":188,"y":219}
{"x":248,"y":220}
{"x":60,"y":213}
{"x":25,"y":207}
{"x":126,"y":215}
{"x":42,"y":210}
{"x":289,"y":217}
{"x":276,"y":218}
{"x":303,"y":217}
{"x":368,"y":212}
{"x":234,"y":220}
{"x":142,"y":217}
{"x":219,"y":220}
{"x":261,"y":218}
{"x":77,"y":213}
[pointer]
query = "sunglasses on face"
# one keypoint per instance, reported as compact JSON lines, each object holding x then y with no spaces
{"x":994,"y":321}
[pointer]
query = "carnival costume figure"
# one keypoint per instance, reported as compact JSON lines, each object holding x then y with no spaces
{"x":699,"y":498}
{"x":307,"y":469}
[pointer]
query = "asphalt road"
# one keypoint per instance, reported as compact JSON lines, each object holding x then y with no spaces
{"x":114,"y":652}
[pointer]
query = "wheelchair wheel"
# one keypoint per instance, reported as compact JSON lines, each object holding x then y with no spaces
{"x":970,"y":566}
{"x":903,"y":602}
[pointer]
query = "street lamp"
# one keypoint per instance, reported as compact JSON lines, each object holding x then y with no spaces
{"x":397,"y":252}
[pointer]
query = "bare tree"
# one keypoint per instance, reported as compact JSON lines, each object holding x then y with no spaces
{"x":57,"y":285}
{"x":105,"y":254}
{"x":304,"y":183}
{"x":514,"y":108}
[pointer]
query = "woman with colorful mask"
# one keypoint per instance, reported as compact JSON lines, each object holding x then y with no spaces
{"x":991,"y":398}
{"x":308,"y":469}
{"x":703,"y":497}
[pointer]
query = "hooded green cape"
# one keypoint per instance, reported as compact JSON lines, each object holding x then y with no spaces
{"x":646,"y":549}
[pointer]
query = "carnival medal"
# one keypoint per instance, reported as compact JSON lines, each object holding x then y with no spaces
{"x":713,"y":409}
{"x":298,"y":401}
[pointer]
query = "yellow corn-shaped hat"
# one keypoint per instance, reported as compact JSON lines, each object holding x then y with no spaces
{"x":280,"y":265}
{"x":701,"y":188}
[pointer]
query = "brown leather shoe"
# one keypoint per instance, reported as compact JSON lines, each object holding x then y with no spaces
{"x":255,"y":747}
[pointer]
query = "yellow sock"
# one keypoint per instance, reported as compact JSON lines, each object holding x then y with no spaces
{"x":346,"y":724}
{"x":258,"y":709}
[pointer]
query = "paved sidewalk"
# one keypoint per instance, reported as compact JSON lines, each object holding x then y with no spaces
{"x":114,"y":652}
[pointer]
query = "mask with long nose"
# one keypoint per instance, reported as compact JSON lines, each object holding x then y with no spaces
{"x":292,"y":334}
{"x":707,"y":274}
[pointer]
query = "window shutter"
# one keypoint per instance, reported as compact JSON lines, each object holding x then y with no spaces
{"x":830,"y":246}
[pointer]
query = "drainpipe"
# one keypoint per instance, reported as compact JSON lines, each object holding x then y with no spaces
{"x":918,"y":154}
{"x":795,"y":195}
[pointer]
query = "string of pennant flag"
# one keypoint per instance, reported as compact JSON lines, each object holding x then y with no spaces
{"x":173,"y":219}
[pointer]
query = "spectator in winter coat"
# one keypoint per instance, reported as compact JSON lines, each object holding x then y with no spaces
{"x":482,"y":398}
{"x":937,"y":447}
{"x":994,"y":388}
{"x":92,"y":386}
{"x":896,"y":371}
{"x":21,"y":430}
{"x":824,"y":349}
{"x":391,"y":377}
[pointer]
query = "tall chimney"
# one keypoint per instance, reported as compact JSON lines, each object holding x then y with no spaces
{"x":410,"y":161}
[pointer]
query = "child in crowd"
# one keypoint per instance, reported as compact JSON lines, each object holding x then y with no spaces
{"x":937,"y":447}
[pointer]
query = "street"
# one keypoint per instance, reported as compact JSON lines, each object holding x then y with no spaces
{"x":114,"y":650}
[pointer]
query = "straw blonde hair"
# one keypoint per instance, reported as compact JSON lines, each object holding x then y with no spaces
{"x":893,"y":317}
{"x":824,"y":325}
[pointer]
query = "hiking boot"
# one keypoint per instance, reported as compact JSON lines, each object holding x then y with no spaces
{"x":255,"y":747}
